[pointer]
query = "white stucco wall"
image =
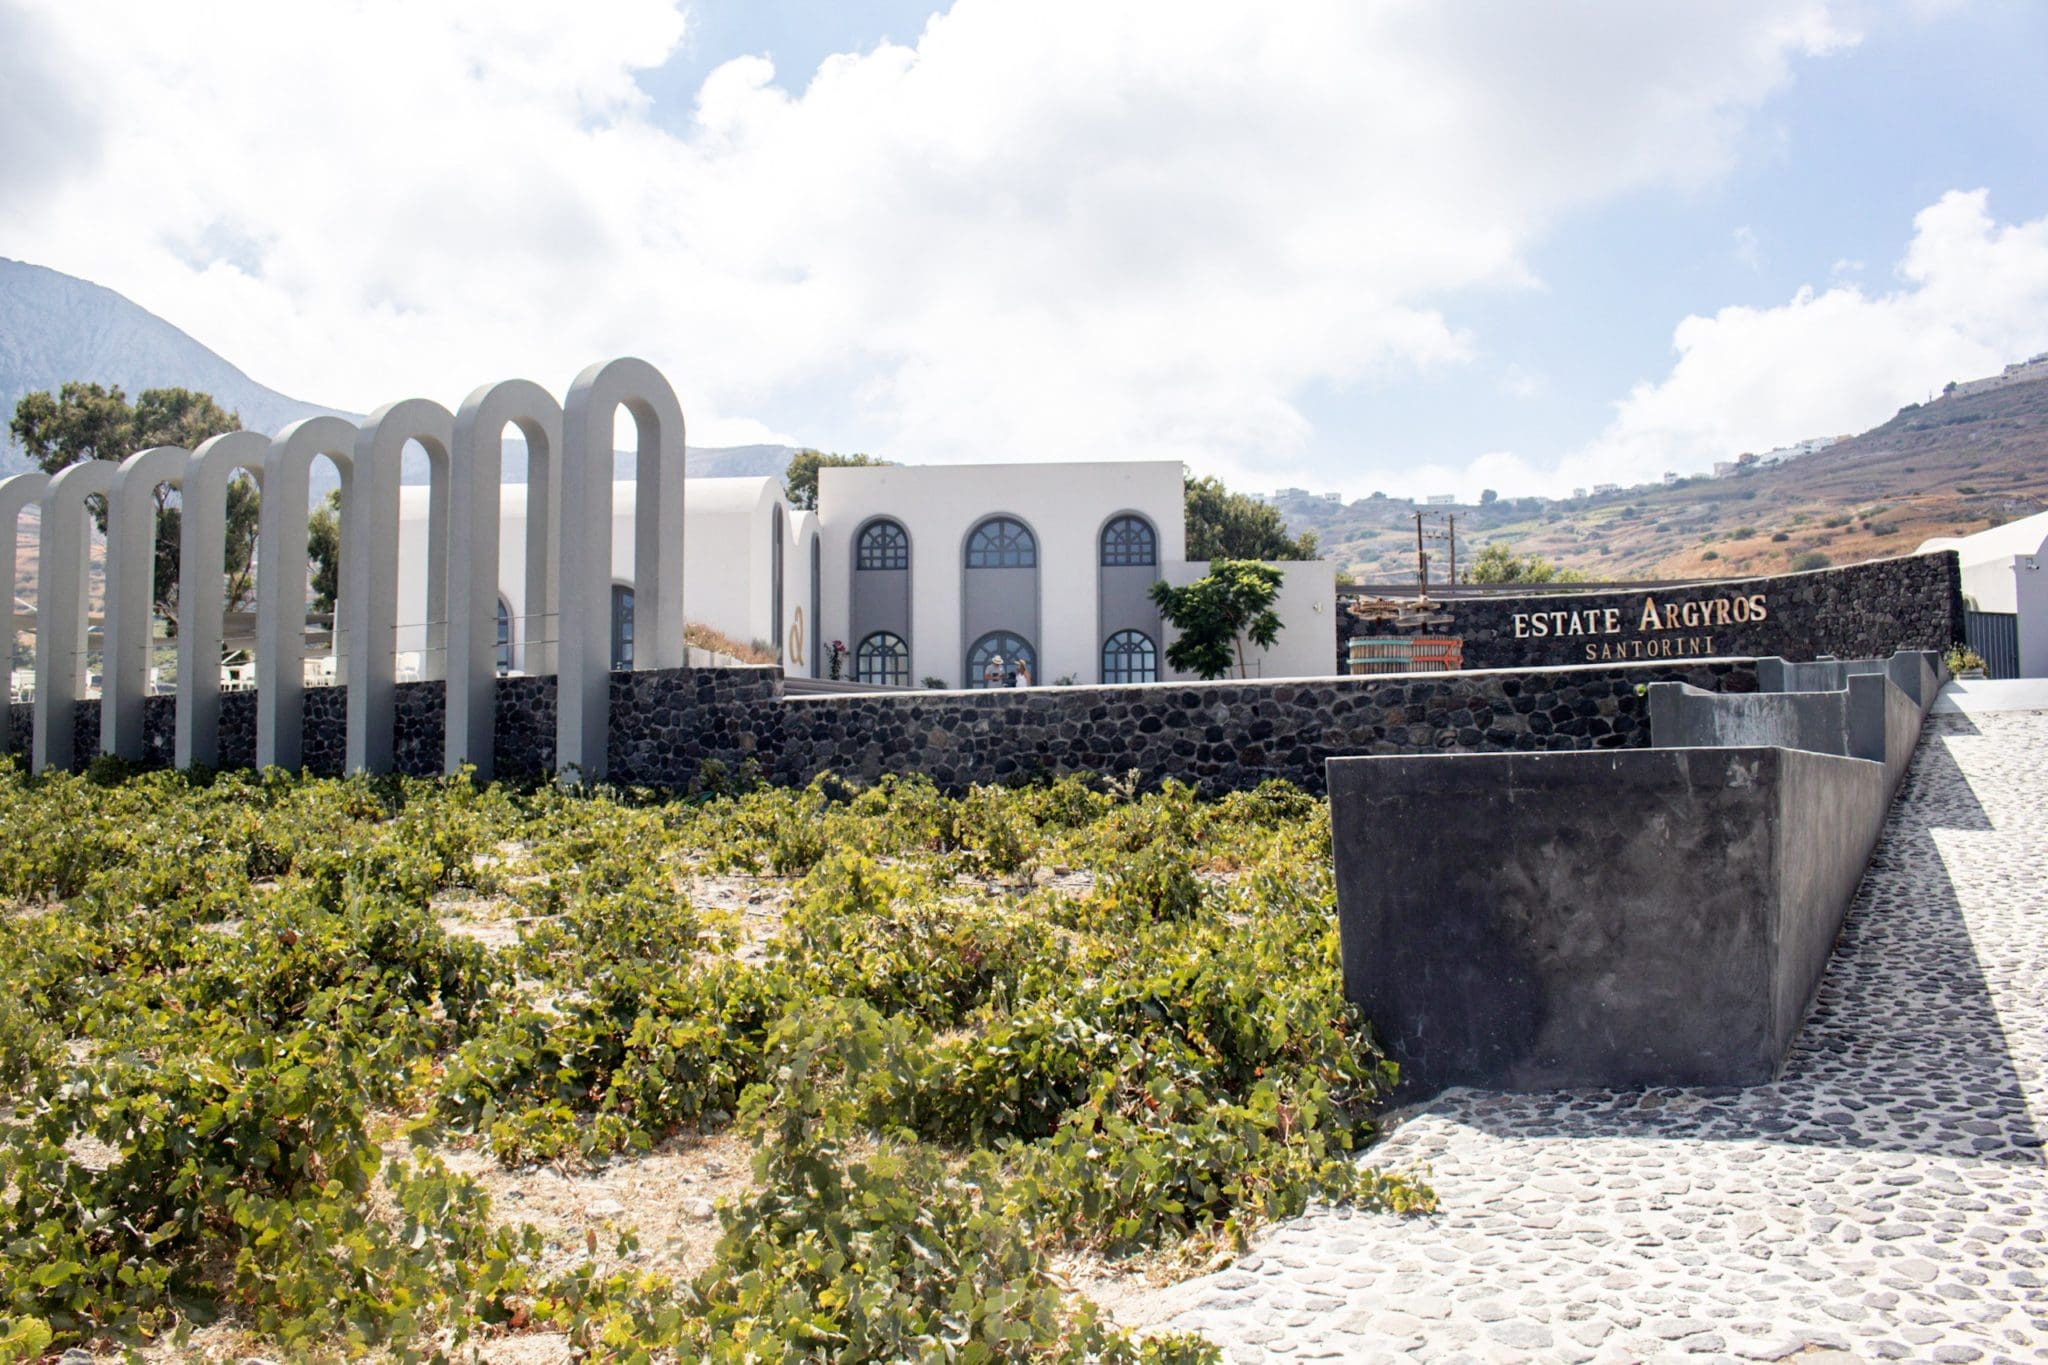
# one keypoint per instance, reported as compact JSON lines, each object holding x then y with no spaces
{"x":1988,"y":556}
{"x":1307,"y":607}
{"x":2005,"y":568}
{"x":1065,"y":505}
{"x":727,"y":558}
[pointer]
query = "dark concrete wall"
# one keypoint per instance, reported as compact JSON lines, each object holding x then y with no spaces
{"x":1650,"y":916}
{"x":1858,"y":611}
{"x":1527,"y":921}
{"x":1829,"y":815}
{"x":1872,"y":710}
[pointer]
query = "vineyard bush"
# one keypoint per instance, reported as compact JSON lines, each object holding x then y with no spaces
{"x":984,"y":1030}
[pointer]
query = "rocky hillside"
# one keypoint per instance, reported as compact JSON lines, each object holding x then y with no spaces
{"x":1951,"y":466}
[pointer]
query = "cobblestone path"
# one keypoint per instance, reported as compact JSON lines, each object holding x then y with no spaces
{"x":1887,"y":1198}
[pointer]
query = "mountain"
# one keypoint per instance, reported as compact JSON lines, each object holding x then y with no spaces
{"x":55,"y":328}
{"x":1951,"y":466}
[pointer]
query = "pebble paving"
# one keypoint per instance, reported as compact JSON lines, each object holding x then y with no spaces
{"x":1886,"y":1200}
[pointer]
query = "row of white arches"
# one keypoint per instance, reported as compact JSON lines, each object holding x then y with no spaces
{"x":568,"y":570}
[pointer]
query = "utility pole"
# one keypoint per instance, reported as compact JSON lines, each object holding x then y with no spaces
{"x":1421,"y":561}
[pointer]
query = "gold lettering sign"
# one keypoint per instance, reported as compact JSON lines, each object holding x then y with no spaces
{"x":796,"y":637}
{"x":1659,"y":620}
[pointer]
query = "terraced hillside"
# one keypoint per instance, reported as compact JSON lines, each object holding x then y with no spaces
{"x":1954,"y":465}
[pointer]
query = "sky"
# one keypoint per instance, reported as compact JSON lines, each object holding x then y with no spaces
{"x":1349,"y":245}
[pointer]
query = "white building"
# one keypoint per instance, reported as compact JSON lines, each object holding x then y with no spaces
{"x":2002,"y":572}
{"x":932,"y":571}
{"x":748,"y":574}
{"x":920,"y":572}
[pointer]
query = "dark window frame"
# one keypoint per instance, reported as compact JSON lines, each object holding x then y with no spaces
{"x":1001,"y":542}
{"x":1121,"y":648}
{"x":1125,"y":539}
{"x":890,"y":653}
{"x":876,"y":549}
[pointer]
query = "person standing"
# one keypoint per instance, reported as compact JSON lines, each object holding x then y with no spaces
{"x":1023,"y":672}
{"x":992,"y":672}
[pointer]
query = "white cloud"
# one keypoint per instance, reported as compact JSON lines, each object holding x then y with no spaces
{"x":1748,"y":251}
{"x":1972,"y":295}
{"x":1050,"y":229}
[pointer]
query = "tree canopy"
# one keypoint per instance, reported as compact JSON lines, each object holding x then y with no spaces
{"x":84,"y":421}
{"x":1218,"y":615}
{"x":800,"y":480}
{"x":1227,"y":525}
{"x":1499,"y":564}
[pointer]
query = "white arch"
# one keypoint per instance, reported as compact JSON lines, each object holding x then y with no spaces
{"x":281,"y":580}
{"x":372,"y":569}
{"x":131,"y":577}
{"x":476,"y":474}
{"x":202,"y":550}
{"x":60,"y":607}
{"x":583,"y":687}
{"x":16,"y":493}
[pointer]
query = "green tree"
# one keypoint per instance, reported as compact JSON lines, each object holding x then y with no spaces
{"x":800,"y":480}
{"x":1487,"y":496}
{"x":90,"y":422}
{"x":323,"y":550}
{"x":1498,"y":564}
{"x":1227,"y":525}
{"x":1218,"y":615}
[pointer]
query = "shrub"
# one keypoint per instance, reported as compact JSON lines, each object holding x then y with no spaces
{"x":227,"y":1002}
{"x":1809,"y":559}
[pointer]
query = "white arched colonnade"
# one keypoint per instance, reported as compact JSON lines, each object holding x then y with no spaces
{"x":568,"y":570}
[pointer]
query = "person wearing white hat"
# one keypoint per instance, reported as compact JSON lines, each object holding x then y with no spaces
{"x":992,"y":674}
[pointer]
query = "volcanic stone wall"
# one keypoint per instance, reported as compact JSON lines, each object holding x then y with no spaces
{"x":1218,"y":736}
{"x":1224,"y":736}
{"x":1860,"y":611}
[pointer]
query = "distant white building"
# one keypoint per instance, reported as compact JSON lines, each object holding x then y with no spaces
{"x":1724,"y":468}
{"x":2019,"y":372}
{"x":1670,"y":476}
{"x":1443,"y":500}
{"x":919,"y":571}
{"x":1600,"y":488}
{"x":2003,"y":572}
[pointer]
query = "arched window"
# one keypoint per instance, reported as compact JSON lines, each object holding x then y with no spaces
{"x":622,"y":627}
{"x":1010,"y":647}
{"x":504,"y":636}
{"x":1127,"y":541}
{"x":883,"y":659}
{"x":883,"y":545}
{"x":1001,"y":543}
{"x":1129,"y":656}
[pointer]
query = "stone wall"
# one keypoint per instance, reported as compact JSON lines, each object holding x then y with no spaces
{"x":1219,"y":736}
{"x":1858,"y":611}
{"x":1224,"y":736}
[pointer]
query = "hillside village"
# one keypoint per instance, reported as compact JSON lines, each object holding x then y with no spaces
{"x":1975,"y":456}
